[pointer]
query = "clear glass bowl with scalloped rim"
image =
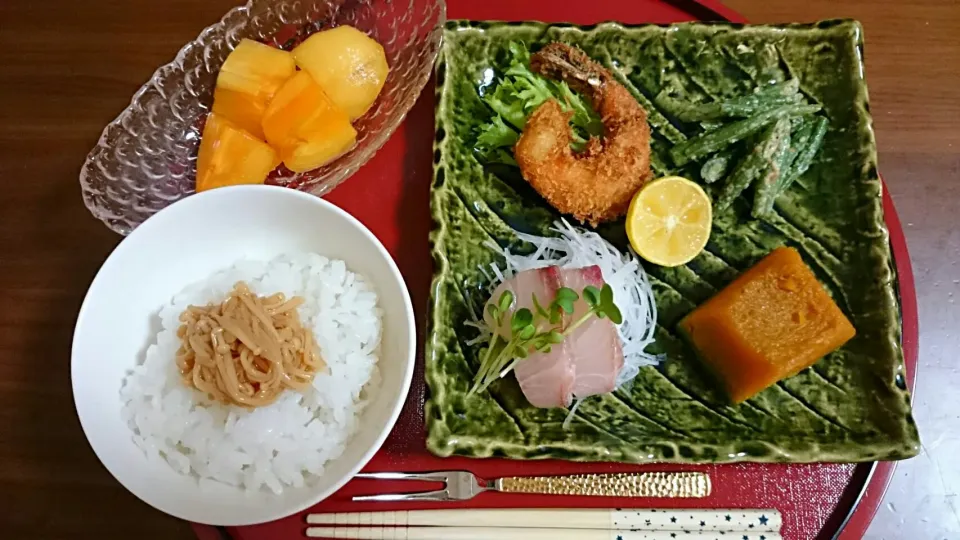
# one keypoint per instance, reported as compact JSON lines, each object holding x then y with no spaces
{"x":146,"y":158}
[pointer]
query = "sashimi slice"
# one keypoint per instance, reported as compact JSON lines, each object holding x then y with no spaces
{"x":542,"y":282}
{"x":594,"y":346}
{"x":569,"y":247}
{"x":586,"y":363}
{"x":546,"y":379}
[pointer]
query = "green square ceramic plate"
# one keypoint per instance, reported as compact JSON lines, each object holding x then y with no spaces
{"x":851,"y":406}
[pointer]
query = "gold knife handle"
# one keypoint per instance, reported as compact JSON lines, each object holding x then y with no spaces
{"x":651,"y":484}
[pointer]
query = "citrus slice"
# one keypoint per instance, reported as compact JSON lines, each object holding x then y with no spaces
{"x":668,"y":222}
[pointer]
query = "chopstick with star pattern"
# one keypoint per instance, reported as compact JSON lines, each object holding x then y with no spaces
{"x":550,"y":524}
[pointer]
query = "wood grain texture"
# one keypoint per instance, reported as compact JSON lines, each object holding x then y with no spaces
{"x":67,"y":68}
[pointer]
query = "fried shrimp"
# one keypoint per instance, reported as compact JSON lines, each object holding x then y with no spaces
{"x":594,"y":185}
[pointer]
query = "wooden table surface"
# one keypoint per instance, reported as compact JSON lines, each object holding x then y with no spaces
{"x":67,"y":68}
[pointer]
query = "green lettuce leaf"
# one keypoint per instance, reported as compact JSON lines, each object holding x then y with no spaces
{"x":513,"y":100}
{"x":497,"y":134}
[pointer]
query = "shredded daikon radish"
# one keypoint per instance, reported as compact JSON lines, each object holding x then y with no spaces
{"x":572,"y":413}
{"x":576,"y":248}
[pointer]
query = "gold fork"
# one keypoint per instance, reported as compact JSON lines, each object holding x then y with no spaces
{"x":464,"y":485}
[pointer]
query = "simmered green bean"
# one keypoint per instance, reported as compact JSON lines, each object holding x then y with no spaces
{"x":686,"y":111}
{"x":714,"y":168}
{"x":712,"y":141}
{"x":805,"y":154}
{"x":765,"y":191}
{"x":754,"y":163}
{"x":778,"y":95}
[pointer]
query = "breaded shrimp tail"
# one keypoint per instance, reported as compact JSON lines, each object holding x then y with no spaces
{"x":595,"y":185}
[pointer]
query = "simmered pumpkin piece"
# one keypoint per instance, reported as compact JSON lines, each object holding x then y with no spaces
{"x":773,"y":321}
{"x":230,"y":156}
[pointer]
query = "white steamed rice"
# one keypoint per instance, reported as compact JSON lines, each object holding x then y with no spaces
{"x":288,"y":442}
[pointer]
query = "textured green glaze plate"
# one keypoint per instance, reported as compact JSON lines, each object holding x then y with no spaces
{"x":851,"y":406}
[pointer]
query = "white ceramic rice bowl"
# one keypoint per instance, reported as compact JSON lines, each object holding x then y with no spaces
{"x":183,"y":244}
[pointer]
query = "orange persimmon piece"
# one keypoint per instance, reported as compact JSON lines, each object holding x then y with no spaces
{"x":230,"y":156}
{"x":242,"y":109}
{"x":256,"y":69}
{"x":772,"y":322}
{"x":248,"y":79}
{"x":318,"y":152}
{"x":306,"y":126}
{"x":349,"y":65}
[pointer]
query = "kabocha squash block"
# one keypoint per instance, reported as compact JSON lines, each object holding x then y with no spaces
{"x":770,"y":323}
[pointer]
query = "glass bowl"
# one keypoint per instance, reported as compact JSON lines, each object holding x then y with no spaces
{"x":146,"y":158}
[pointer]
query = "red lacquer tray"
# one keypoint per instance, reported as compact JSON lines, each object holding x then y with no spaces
{"x":390,"y":195}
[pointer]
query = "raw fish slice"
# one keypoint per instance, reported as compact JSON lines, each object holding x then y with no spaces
{"x":542,"y":282}
{"x":589,"y":359}
{"x":545,"y":378}
{"x":594,"y":347}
